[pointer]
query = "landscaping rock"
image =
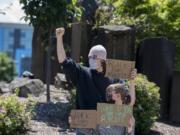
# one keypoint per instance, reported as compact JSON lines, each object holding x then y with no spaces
{"x":61,"y":82}
{"x":27,"y":86}
{"x":4,"y":88}
{"x":27,"y":74}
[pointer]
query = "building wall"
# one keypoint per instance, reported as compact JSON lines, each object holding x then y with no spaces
{"x":8,"y":41}
{"x":1,"y":38}
{"x":14,"y":37}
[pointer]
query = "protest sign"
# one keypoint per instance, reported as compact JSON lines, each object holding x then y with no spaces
{"x":83,"y":119}
{"x":119,"y":68}
{"x":111,"y":114}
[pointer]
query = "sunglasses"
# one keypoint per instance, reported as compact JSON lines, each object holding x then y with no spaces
{"x":93,"y":57}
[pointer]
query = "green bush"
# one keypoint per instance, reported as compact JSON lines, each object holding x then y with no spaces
{"x":14,"y":114}
{"x":7,"y":69}
{"x":146,"y":109}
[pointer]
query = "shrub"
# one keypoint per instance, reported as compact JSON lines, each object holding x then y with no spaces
{"x":14,"y":114}
{"x":7,"y":69}
{"x":146,"y":109}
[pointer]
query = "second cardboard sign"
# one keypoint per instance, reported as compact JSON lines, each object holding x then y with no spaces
{"x":106,"y":114}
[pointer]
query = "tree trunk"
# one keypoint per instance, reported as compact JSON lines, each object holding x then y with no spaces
{"x":38,"y":52}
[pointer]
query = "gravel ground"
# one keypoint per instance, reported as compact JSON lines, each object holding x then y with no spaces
{"x":51,"y":118}
{"x":41,"y":128}
{"x":165,"y":128}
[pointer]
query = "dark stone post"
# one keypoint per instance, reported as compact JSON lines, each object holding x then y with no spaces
{"x":118,"y":40}
{"x":155,"y":59}
{"x":175,"y":98}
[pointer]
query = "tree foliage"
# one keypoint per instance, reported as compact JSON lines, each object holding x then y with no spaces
{"x":151,"y":18}
{"x":48,"y":13}
{"x":46,"y":16}
{"x":7,"y":68}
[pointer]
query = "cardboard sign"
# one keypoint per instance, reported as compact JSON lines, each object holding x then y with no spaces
{"x":111,"y":114}
{"x":119,"y":68}
{"x":83,"y":119}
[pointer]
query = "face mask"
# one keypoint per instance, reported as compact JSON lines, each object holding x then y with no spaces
{"x":92,"y":63}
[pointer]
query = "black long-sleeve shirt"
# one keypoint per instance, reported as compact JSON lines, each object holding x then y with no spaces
{"x":90,"y":84}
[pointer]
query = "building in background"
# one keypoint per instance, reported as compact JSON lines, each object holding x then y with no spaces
{"x":16,"y":41}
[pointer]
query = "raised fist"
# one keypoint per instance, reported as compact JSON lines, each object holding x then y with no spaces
{"x":133,"y":74}
{"x":59,"y":32}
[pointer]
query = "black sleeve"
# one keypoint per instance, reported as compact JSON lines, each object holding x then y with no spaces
{"x":71,"y":70}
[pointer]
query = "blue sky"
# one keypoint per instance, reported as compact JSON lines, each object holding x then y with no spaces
{"x":12,"y":10}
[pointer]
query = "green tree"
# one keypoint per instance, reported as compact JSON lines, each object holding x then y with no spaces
{"x":45,"y":16}
{"x":151,"y":18}
{"x":7,"y":68}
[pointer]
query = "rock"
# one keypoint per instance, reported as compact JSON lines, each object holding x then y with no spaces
{"x":27,"y":86}
{"x":115,"y":29}
{"x":4,"y":88}
{"x":27,"y":74}
{"x":59,"y":78}
{"x":61,"y":82}
{"x":52,"y":111}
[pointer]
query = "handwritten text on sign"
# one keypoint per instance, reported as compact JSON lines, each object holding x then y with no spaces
{"x":83,"y":119}
{"x":106,"y":114}
{"x":111,"y":114}
{"x":119,"y":68}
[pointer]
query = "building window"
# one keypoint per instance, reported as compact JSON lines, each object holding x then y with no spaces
{"x":10,"y":46}
{"x":22,"y":46}
{"x":11,"y":34}
{"x":10,"y":54}
{"x":23,"y":34}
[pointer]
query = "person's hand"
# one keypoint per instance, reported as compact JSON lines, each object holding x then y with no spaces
{"x":131,"y":124}
{"x":60,"y":32}
{"x":133,"y":74}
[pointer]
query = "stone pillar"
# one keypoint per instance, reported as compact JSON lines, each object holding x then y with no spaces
{"x":175,"y":98}
{"x":118,"y":40}
{"x":155,"y":59}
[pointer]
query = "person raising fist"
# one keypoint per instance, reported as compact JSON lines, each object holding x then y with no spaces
{"x":90,"y":82}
